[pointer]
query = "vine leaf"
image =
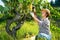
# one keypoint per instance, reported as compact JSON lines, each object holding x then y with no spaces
{"x":21,"y":1}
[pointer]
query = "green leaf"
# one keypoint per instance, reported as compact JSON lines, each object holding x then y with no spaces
{"x":36,"y":1}
{"x":6,"y":9}
{"x":7,"y":0}
{"x":28,"y":0}
{"x":1,"y":8}
{"x":21,"y":1}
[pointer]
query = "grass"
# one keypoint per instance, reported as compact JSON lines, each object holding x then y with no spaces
{"x":27,"y":30}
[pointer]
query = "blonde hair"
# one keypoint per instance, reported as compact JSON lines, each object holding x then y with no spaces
{"x":47,"y":12}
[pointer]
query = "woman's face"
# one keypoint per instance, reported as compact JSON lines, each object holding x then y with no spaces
{"x":43,"y":14}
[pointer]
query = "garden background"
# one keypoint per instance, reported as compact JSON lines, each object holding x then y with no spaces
{"x":29,"y":28}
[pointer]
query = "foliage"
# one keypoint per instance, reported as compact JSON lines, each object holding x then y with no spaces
{"x":29,"y":28}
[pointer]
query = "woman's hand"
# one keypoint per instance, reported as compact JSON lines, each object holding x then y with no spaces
{"x":32,"y":14}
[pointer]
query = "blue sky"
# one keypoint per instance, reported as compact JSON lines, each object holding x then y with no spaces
{"x":51,"y":0}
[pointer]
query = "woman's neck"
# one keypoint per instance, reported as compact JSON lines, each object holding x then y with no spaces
{"x":43,"y":17}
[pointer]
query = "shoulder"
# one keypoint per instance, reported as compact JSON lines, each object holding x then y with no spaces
{"x":47,"y":22}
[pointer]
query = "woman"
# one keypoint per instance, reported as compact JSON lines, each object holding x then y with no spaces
{"x":44,"y":24}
